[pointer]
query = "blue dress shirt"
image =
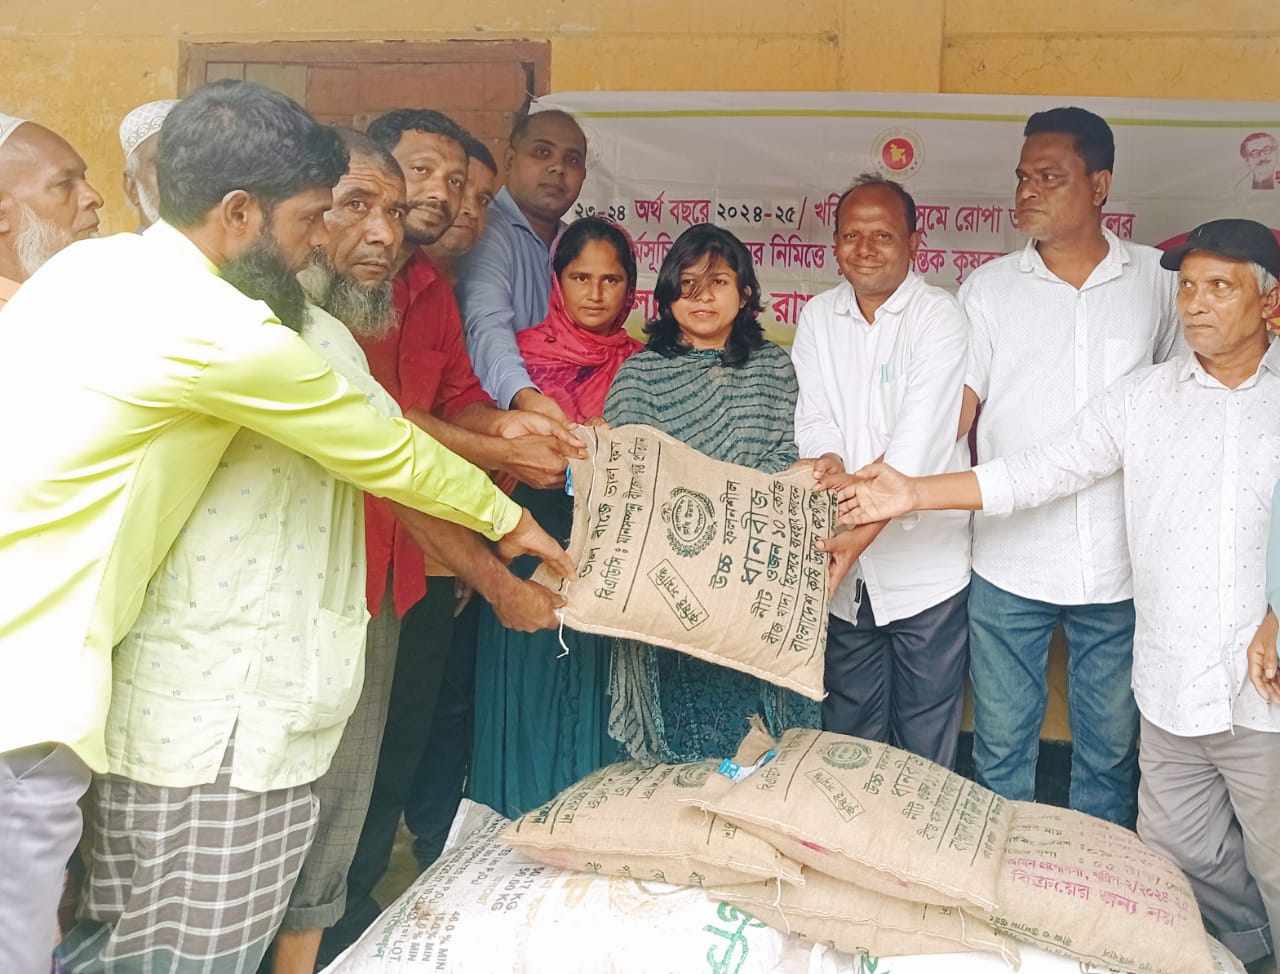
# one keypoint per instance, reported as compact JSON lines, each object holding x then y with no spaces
{"x":503,"y":288}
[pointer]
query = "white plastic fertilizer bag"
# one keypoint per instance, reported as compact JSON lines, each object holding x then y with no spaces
{"x":484,"y":907}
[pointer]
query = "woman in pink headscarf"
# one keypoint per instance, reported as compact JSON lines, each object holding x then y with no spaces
{"x":541,"y":719}
{"x":573,"y":355}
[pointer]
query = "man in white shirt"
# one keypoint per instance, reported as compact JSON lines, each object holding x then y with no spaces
{"x":880,"y":360}
{"x":1053,"y":325}
{"x":1197,"y":443}
{"x":140,"y":141}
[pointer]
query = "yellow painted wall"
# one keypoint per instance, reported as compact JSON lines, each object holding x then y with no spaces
{"x":79,"y":66}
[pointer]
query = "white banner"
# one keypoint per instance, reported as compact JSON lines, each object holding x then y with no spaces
{"x":769,"y":166}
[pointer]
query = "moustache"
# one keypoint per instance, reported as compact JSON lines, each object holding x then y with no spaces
{"x":430,"y":206}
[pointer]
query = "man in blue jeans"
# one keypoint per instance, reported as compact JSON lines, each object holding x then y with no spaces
{"x":1052,"y":325}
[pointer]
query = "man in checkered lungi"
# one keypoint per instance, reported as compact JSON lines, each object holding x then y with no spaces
{"x":422,"y":361}
{"x":231,"y":691}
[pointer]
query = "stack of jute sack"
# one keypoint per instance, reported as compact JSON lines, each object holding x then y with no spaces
{"x":874,"y":850}
{"x":486,"y":908}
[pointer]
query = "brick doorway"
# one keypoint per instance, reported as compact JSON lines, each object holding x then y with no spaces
{"x":482,"y":85}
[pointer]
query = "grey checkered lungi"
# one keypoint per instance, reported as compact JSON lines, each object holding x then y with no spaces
{"x":187,"y":880}
{"x":320,"y":895}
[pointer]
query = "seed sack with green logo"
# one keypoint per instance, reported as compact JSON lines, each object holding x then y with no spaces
{"x":875,"y":816}
{"x":628,"y":820}
{"x":708,"y":558}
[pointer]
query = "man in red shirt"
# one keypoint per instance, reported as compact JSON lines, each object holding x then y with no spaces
{"x":482,"y":185}
{"x":440,"y":779}
{"x":424,"y":362}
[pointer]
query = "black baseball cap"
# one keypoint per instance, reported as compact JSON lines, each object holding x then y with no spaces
{"x":1233,"y":239}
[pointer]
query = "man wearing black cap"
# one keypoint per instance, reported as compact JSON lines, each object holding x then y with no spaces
{"x":1197,"y":441}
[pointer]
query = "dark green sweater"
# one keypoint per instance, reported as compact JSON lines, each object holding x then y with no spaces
{"x":743,"y":415}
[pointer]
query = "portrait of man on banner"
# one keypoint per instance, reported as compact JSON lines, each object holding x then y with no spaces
{"x":1261,"y":154}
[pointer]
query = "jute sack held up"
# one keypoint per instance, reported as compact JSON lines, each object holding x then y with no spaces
{"x":627,"y":820}
{"x":875,"y":816}
{"x":1079,"y":886}
{"x":858,"y":921}
{"x":707,"y":558}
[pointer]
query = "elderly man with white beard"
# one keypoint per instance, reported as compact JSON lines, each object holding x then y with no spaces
{"x":46,"y":201}
{"x":139,"y":141}
{"x":352,"y":281}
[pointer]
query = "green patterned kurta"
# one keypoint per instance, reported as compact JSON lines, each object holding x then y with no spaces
{"x":668,"y":706}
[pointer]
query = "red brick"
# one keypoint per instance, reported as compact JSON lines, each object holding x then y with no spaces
{"x":468,"y":120}
{"x":458,"y":85}
{"x":333,"y":90}
{"x":384,"y":86}
{"x":498,"y":147}
{"x":491,"y":125}
{"x":505,"y":84}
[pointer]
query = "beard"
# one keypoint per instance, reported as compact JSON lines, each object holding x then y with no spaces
{"x":368,"y":310}
{"x":37,"y":240}
{"x":149,"y":204}
{"x":262,"y":273}
{"x":424,"y":236}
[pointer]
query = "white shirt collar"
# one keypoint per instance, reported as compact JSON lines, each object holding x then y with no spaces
{"x":846,"y":302}
{"x":1191,"y":367}
{"x":1109,"y":268}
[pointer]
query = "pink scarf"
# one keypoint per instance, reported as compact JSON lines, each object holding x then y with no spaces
{"x":573,"y":366}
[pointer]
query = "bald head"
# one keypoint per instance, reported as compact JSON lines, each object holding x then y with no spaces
{"x":46,"y":201}
{"x":546,"y":164}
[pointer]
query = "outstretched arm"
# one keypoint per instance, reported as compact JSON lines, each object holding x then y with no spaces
{"x":1092,"y":448}
{"x":533,"y":458}
{"x":878,"y":492}
{"x":521,"y":605}
{"x":485,"y":290}
{"x":267,"y":379}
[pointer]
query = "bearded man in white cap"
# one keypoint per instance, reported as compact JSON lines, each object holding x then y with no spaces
{"x":139,"y":138}
{"x":45,"y":200}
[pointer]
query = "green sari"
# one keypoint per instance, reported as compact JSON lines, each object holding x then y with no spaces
{"x":541,"y":716}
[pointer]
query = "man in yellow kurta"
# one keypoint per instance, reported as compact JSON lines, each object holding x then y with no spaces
{"x":127,"y":365}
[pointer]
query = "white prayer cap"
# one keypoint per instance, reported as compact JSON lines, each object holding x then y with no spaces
{"x":7,"y":125}
{"x":142,"y":123}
